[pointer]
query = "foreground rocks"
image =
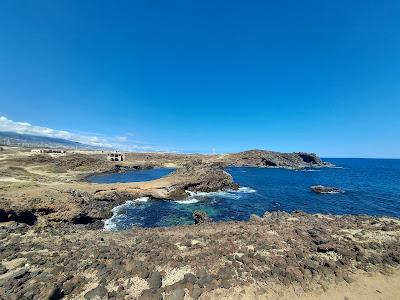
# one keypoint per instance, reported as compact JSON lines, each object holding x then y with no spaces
{"x":294,"y":251}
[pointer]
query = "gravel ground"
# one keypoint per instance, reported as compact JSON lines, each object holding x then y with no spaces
{"x":300,"y":251}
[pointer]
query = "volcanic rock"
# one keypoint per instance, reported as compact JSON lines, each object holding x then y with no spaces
{"x":262,"y":158}
{"x":320,"y":189}
{"x":200,"y":217}
{"x":154,"y":280}
{"x":201,"y":177}
{"x":99,"y":292}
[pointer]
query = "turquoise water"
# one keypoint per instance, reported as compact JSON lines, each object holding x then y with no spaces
{"x":372,"y":187}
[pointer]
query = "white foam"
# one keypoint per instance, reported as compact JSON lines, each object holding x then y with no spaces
{"x":334,"y":192}
{"x":111,"y":223}
{"x":245,"y":189}
{"x":231,"y":194}
{"x":206,"y":194}
{"x":189,"y":201}
{"x":120,"y":208}
{"x":227,"y":194}
{"x":142,"y":199}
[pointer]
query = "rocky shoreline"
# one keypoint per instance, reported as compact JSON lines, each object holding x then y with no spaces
{"x":52,"y":248}
{"x":55,"y":189}
{"x":208,"y":261}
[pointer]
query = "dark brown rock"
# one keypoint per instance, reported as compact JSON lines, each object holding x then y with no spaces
{"x":200,"y":217}
{"x":320,"y":189}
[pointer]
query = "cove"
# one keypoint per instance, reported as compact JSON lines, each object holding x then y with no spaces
{"x":131,"y":176}
{"x":371,"y":187}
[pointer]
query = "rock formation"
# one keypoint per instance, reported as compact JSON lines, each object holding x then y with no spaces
{"x":320,"y":189}
{"x":262,"y":158}
{"x":200,"y":177}
{"x":200,"y":217}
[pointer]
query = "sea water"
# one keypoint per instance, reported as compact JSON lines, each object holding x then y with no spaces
{"x":371,"y":186}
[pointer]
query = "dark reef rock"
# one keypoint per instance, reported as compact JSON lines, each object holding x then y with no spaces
{"x":310,"y":158}
{"x":320,"y":189}
{"x":21,"y":216}
{"x":200,"y":217}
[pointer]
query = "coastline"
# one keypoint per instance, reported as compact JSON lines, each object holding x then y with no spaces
{"x":52,"y":242}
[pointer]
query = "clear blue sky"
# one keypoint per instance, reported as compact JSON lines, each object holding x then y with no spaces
{"x":321,"y":76}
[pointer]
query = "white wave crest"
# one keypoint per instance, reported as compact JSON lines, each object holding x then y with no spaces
{"x":231,"y":194}
{"x":142,"y":199}
{"x":109,"y":225}
{"x":334,"y":192}
{"x":121,"y":208}
{"x":222,"y":194}
{"x":118,"y":212}
{"x":245,"y":189}
{"x":189,"y":201}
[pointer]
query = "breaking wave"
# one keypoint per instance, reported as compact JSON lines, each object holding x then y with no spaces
{"x":232,"y":194}
{"x":334,"y":192}
{"x":222,"y":194}
{"x":189,"y":201}
{"x":142,"y":199}
{"x":245,"y":189}
{"x":119,"y":211}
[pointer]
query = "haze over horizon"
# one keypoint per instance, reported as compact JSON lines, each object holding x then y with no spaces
{"x":314,"y":76}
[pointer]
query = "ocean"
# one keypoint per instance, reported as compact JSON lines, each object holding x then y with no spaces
{"x":371,"y":187}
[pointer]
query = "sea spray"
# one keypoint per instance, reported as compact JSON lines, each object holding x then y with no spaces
{"x":120,"y":210}
{"x":189,"y":201}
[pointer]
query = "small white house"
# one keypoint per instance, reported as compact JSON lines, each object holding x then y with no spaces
{"x":115,"y":157}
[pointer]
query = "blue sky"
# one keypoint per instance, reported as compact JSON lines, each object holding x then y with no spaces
{"x":190,"y":76}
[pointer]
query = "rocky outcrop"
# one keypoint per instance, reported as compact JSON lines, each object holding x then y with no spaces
{"x":89,"y":204}
{"x":320,"y":189}
{"x":200,"y":217}
{"x":262,"y":158}
{"x":200,"y":177}
{"x":21,"y":216}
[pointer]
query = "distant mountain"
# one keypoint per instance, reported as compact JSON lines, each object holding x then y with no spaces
{"x":28,"y":140}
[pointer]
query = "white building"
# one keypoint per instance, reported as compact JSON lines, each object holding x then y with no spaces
{"x":115,"y":157}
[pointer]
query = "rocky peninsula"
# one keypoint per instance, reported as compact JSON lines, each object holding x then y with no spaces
{"x":52,"y":245}
{"x":44,"y":188}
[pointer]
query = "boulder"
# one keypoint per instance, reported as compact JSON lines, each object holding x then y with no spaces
{"x":200,"y":217}
{"x":99,"y":292}
{"x":320,"y":189}
{"x":154,"y":280}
